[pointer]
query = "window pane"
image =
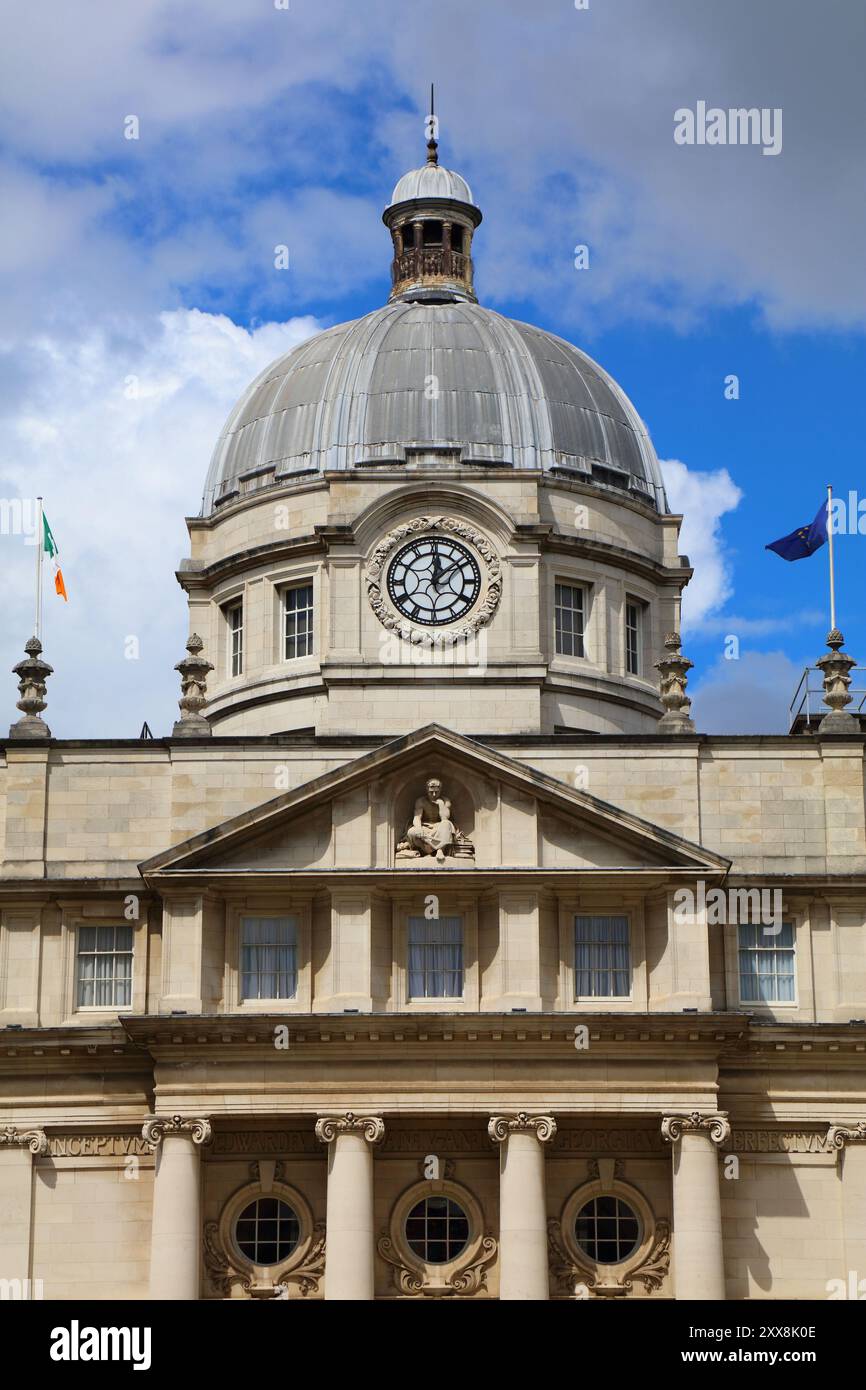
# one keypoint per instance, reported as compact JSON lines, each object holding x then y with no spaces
{"x":766,"y":964}
{"x":269,"y":958}
{"x":437,"y":1230}
{"x":569,"y":613}
{"x":632,"y":638}
{"x":104,"y":967}
{"x":299,"y":621}
{"x":602,"y":957}
{"x":267,"y":1231}
{"x":435,"y":958}
{"x":607,"y":1229}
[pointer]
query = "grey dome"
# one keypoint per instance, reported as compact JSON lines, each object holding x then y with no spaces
{"x":432,"y":181}
{"x":508,"y":394}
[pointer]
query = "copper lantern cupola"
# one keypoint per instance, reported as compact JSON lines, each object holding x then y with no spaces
{"x":431,"y":218}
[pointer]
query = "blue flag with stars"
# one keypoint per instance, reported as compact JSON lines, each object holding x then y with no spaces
{"x":805,"y":540}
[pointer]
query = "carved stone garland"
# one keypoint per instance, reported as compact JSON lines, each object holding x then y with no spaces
{"x":227,"y":1276}
{"x":651,"y":1271}
{"x":462,"y":1284}
{"x":419,"y":636}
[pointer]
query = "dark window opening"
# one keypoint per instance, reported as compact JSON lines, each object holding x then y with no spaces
{"x":432,"y":234}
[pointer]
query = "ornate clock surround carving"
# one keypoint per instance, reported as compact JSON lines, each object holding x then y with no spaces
{"x":462,"y":629}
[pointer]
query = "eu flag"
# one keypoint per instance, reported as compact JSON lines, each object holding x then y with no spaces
{"x":805,"y":540}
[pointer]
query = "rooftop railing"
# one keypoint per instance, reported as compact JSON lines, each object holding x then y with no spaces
{"x":807,"y":708}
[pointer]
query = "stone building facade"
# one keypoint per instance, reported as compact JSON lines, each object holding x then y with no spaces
{"x":428,"y":957}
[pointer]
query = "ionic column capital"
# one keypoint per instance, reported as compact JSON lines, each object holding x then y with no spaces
{"x":501,"y":1126}
{"x":840,"y":1135}
{"x":371,"y":1127}
{"x":155,"y":1129}
{"x":35,"y":1140}
{"x":714,"y":1124}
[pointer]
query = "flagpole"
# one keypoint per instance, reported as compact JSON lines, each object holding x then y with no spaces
{"x":39,"y":544}
{"x":830,"y":546}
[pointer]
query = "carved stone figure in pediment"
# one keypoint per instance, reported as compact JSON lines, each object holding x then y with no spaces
{"x":432,"y":833}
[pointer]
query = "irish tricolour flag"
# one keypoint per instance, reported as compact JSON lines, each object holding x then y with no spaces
{"x":49,"y":546}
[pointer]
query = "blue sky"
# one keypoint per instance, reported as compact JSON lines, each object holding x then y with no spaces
{"x":139,"y":293}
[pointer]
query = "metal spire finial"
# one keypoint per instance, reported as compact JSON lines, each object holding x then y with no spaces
{"x":432,"y":131}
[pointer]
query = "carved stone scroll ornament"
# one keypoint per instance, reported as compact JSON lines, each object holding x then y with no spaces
{"x":431,"y":833}
{"x":715,"y":1124}
{"x":501,"y":1126}
{"x":419,"y":636}
{"x":651,"y":1270}
{"x":840,"y":1135}
{"x":228,"y":1278}
{"x":415,"y":1283}
{"x":33,"y":1139}
{"x":154,"y":1130}
{"x":371,"y":1126}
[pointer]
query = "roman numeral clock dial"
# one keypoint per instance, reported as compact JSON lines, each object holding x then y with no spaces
{"x":434,"y":581}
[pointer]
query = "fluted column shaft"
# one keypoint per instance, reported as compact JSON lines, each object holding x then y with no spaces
{"x":523,"y":1259}
{"x":175,"y":1242}
{"x":350,"y":1252}
{"x":699,"y":1262}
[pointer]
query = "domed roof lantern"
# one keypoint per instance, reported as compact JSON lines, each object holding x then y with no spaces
{"x":432,"y":218}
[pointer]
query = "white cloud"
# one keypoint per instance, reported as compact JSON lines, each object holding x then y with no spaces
{"x":703,"y":498}
{"x":115,"y":428}
{"x":748,"y":696}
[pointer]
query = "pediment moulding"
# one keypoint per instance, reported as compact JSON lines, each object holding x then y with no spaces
{"x":381,"y":791}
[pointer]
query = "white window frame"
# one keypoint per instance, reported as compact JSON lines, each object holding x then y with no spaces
{"x":603,"y":998}
{"x":305,"y":582}
{"x":291,"y":918}
{"x":430,"y":926}
{"x":639,"y":634}
{"x":113,"y":1006}
{"x":770,"y":943}
{"x":566,"y":582}
{"x":234,"y":638}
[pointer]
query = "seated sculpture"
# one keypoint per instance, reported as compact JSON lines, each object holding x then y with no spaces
{"x":432,"y":833}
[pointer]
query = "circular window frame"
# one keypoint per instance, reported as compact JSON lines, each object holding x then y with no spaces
{"x":436,"y":1276}
{"x":608,"y":1273}
{"x":263,"y":1275}
{"x":423,"y":528}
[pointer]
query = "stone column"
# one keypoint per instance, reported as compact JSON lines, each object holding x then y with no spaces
{"x":523,"y":1262}
{"x":350,"y":1249}
{"x":850,"y":1144}
{"x":176,"y":1234}
{"x":699,"y":1263}
{"x":17,"y":1148}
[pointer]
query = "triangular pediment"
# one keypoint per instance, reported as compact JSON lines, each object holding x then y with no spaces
{"x":505,"y":815}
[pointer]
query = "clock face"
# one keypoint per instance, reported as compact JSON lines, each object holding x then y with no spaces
{"x":434,"y":581}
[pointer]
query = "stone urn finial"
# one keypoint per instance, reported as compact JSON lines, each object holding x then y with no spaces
{"x":193,"y":684}
{"x":674,"y":669}
{"x":835,"y":666}
{"x":32,"y":674}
